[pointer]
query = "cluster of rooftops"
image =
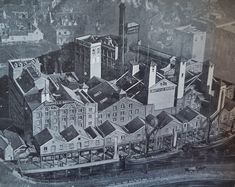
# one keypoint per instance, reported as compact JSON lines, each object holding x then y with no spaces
{"x":107,"y":127}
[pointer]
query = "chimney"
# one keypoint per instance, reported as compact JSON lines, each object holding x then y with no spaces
{"x":222,"y":94}
{"x":152,"y":74}
{"x":45,"y":96}
{"x":207,"y":77}
{"x":135,"y":68}
{"x":180,"y":71}
{"x":122,"y":15}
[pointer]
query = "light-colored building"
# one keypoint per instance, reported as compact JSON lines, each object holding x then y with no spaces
{"x":191,"y":119}
{"x":115,"y":106}
{"x":112,"y":133}
{"x":161,"y":92}
{"x":190,"y":42}
{"x":38,"y":101}
{"x":96,"y":56}
{"x":6,"y":150}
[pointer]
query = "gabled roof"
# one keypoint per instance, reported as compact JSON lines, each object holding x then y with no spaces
{"x":186,"y":115}
{"x":149,"y":118}
{"x":15,"y":140}
{"x":43,"y":137}
{"x":135,"y":125}
{"x":163,"y":119}
{"x":92,"y":132}
{"x":105,"y":94}
{"x":69,"y":133}
{"x":106,"y":128}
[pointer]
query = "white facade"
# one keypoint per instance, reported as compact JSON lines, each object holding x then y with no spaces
{"x":162,"y":94}
{"x":95,"y":60}
{"x":34,"y":36}
{"x":181,"y":80}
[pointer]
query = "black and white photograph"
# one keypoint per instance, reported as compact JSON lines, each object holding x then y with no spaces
{"x":117,"y":93}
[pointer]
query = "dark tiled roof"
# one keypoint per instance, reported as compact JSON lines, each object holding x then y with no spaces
{"x":43,"y":137}
{"x":106,"y":128}
{"x":15,"y":139}
{"x":69,"y":133}
{"x":91,"y":132}
{"x":94,"y":81}
{"x":24,"y":81}
{"x":135,"y":125}
{"x":163,"y":119}
{"x":149,"y":118}
{"x":186,"y":115}
{"x":105,"y":94}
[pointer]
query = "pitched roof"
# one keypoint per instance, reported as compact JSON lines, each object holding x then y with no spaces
{"x":135,"y":125}
{"x":15,"y":139}
{"x":186,"y":115}
{"x":43,"y":137}
{"x":106,"y":128}
{"x":69,"y":133}
{"x":105,"y":94}
{"x":163,"y":119}
{"x":91,"y":132}
{"x":149,"y":118}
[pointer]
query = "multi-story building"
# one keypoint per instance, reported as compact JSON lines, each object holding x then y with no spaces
{"x":223,"y":53}
{"x":114,"y":104}
{"x":190,"y":42}
{"x":38,"y":101}
{"x":96,"y":56}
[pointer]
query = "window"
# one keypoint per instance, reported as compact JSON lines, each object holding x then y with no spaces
{"x":53,"y":148}
{"x":97,"y":142}
{"x":90,"y":123}
{"x":86,"y":143}
{"x":71,"y":146}
{"x":130,"y":105}
{"x":108,"y":140}
{"x":55,"y":113}
{"x":39,"y":115}
{"x":130,"y":111}
{"x":114,"y":119}
{"x":79,"y":144}
{"x":130,"y":117}
{"x":115,"y":114}
{"x":97,"y":93}
{"x":122,"y":119}
{"x":71,"y":118}
{"x":55,"y":121}
{"x":59,"y":33}
{"x":80,"y":117}
{"x":182,"y":75}
{"x":90,"y":109}
{"x":122,"y":112}
{"x":89,"y":116}
{"x":122,"y":137}
{"x":64,"y":119}
{"x":122,"y":105}
{"x":47,"y":113}
{"x":98,"y":50}
{"x":93,"y":51}
{"x":114,"y":108}
{"x":137,"y":111}
{"x":45,"y":148}
{"x":138,"y":135}
{"x":108,"y":115}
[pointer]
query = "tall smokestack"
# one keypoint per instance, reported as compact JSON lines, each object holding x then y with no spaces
{"x":122,"y":9}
